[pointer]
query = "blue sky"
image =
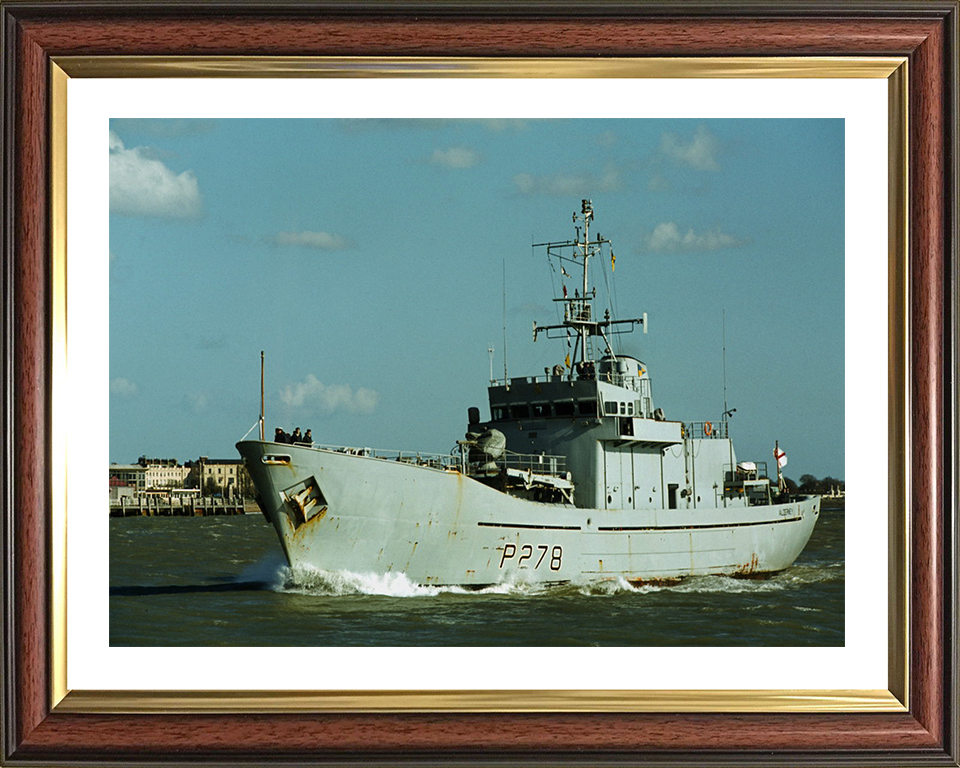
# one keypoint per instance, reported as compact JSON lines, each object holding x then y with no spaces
{"x":367,"y":259}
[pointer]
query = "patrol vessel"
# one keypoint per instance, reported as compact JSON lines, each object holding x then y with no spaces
{"x":575,"y":476}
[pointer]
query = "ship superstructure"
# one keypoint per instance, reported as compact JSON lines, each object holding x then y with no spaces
{"x":575,"y":475}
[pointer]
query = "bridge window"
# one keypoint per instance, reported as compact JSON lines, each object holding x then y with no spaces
{"x":564,"y":408}
{"x":520,"y":411}
{"x":498,"y":412}
{"x":541,"y":409}
{"x":587,"y":407}
{"x":610,"y":409}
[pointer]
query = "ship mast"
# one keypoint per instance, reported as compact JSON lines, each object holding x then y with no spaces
{"x":586,"y":213}
{"x":578,"y":309}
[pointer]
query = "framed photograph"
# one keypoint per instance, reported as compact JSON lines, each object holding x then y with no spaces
{"x":77,"y":688}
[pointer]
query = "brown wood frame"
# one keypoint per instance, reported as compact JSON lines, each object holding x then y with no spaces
{"x":925,"y":32}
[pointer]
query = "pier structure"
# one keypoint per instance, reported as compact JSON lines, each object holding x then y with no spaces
{"x":165,"y":488}
{"x":187,"y":506}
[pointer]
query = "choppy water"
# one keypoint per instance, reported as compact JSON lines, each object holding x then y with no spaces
{"x":222,"y":581}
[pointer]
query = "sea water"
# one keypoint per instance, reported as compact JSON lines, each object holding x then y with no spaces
{"x":223,"y":581}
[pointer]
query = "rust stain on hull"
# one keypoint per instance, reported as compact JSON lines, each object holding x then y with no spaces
{"x":749,"y":569}
{"x":752,"y":570}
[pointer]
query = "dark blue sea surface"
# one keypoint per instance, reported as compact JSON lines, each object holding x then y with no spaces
{"x":222,"y":581}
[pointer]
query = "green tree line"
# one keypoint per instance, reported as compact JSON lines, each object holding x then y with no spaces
{"x":811,"y":484}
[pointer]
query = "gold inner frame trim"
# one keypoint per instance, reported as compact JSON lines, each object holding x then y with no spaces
{"x":226,"y":702}
{"x":898,"y":414}
{"x":412,"y":66}
{"x":892,"y":69}
{"x":58,"y":370}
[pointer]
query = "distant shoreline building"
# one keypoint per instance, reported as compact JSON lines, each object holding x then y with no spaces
{"x":151,"y":476}
{"x":127,"y":480}
{"x":227,"y":477}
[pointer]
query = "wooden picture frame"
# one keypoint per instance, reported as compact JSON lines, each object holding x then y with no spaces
{"x":39,"y":729}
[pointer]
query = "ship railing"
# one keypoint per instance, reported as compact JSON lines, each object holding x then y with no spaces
{"x":578,"y":310}
{"x":528,"y":464}
{"x":706,"y":430}
{"x":627,"y":381}
{"x":748,"y":480}
{"x":543,"y":379}
{"x":635,"y":383}
{"x":419,"y":458}
{"x":538,"y":463}
{"x":745,"y":470}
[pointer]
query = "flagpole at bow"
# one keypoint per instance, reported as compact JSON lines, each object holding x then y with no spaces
{"x":781,"y":459}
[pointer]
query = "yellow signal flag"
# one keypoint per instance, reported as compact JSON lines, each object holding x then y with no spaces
{"x":567,"y":361}
{"x":613,"y":262}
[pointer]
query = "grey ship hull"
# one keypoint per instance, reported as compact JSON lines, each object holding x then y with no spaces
{"x":333,"y":510}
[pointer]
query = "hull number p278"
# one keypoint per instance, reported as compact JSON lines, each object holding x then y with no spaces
{"x":528,"y":556}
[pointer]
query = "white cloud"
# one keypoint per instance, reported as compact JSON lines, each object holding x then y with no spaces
{"x":500,"y":124}
{"x":666,"y":238}
{"x":455,"y":157}
{"x":123,"y":387}
{"x":699,"y":153}
{"x":197,"y":402}
{"x":568,"y":184}
{"x":496,"y":125}
{"x":321,"y":241}
{"x":165,"y":128}
{"x":658,"y":183}
{"x":311,"y":393}
{"x":143,"y":186}
{"x":607,"y":139}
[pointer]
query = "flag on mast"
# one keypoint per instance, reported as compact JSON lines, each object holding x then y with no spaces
{"x":781,"y":457}
{"x":613,"y":261}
